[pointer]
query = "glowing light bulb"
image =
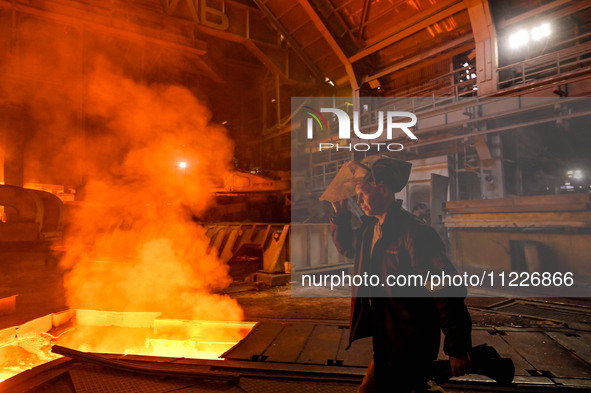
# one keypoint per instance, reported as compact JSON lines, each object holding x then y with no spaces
{"x":578,"y":174}
{"x":518,"y":39}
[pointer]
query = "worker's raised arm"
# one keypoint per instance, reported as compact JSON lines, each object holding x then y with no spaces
{"x":341,"y":229}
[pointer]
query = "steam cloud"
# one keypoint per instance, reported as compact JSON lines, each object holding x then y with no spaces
{"x":131,"y":244}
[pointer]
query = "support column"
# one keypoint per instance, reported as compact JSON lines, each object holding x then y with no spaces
{"x":485,"y":38}
{"x":12,"y":144}
{"x":2,"y":154}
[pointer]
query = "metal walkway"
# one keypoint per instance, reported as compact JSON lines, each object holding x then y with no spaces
{"x":548,"y":358}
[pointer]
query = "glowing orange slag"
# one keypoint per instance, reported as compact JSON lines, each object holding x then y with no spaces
{"x":129,"y":333}
{"x":144,"y":333}
{"x":21,"y":354}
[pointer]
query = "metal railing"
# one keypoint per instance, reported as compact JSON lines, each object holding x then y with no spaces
{"x":552,"y":64}
{"x":443,"y":86}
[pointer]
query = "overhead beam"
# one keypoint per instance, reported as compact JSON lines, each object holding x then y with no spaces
{"x":413,"y":25}
{"x":104,"y":24}
{"x":332,"y":42}
{"x":260,"y":50}
{"x":416,"y":59}
{"x":215,"y":76}
{"x":238,"y":16}
{"x":533,"y":12}
{"x":363,"y":18}
{"x":294,"y":44}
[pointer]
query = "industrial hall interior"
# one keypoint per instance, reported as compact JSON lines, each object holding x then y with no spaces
{"x":165,"y":166}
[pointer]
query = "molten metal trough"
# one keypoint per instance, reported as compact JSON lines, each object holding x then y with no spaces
{"x":128,"y":333}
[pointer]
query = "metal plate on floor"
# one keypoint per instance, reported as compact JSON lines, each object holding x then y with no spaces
{"x":359,"y":355}
{"x":579,"y":343}
{"x":255,"y":343}
{"x":547,"y":357}
{"x":288,"y":344}
{"x":496,"y":341}
{"x":322,"y":346}
{"x":302,"y":343}
{"x":541,"y":356}
{"x":546,"y":311}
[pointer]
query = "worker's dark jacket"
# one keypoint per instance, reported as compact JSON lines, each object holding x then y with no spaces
{"x":401,"y":324}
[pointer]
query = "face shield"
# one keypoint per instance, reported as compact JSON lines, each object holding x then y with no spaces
{"x":375,"y":169}
{"x":344,"y":183}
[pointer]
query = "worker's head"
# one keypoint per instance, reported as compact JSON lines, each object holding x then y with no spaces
{"x":386,"y":176}
{"x":422,"y":211}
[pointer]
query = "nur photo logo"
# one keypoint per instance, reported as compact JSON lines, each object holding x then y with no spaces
{"x":392,"y":120}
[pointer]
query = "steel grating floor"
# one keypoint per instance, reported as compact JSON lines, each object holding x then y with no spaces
{"x":86,"y":378}
{"x":256,"y":385}
{"x":99,"y":379}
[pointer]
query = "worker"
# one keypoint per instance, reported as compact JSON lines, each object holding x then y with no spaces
{"x":422,"y":211}
{"x":405,"y":322}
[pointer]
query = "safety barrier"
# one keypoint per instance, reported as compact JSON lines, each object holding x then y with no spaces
{"x":313,"y":249}
{"x":232,"y":239}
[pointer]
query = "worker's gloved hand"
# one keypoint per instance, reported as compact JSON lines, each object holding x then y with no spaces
{"x":487,"y":361}
{"x":460,"y":366}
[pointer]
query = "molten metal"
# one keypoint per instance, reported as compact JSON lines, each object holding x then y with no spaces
{"x":128,"y":333}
